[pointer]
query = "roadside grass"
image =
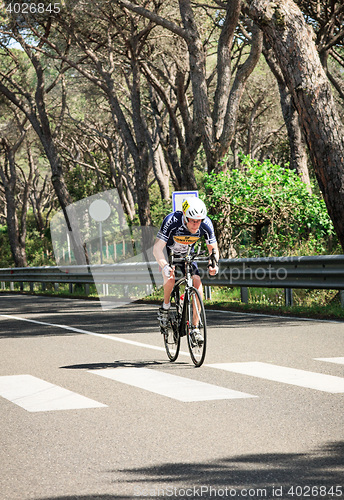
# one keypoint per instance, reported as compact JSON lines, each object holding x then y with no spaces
{"x":318,"y":304}
{"x":307,"y":303}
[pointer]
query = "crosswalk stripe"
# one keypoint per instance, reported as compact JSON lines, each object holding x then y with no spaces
{"x":292,"y":376}
{"x":35,"y":395}
{"x":172,"y":386}
{"x":339,"y":361}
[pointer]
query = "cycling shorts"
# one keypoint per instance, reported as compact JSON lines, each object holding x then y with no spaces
{"x":181,"y":267}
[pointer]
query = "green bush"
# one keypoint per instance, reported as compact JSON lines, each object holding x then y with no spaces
{"x":269,"y":210}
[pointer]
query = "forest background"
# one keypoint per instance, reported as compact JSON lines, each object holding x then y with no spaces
{"x":242,"y":100}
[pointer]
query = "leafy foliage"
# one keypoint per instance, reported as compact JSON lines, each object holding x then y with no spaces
{"x":269,"y":209}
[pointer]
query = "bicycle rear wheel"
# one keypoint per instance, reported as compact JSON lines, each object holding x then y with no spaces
{"x":171,"y":334}
{"x":195,"y":317}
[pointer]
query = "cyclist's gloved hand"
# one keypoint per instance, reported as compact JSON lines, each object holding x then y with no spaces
{"x":213,"y":270}
{"x":167,"y":270}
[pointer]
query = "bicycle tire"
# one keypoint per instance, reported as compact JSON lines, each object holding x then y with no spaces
{"x":195,"y":306}
{"x":171,"y":333}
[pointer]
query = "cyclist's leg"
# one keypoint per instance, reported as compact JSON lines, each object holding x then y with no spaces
{"x":168,"y":287}
{"x":165,"y":307}
{"x":197,"y":283}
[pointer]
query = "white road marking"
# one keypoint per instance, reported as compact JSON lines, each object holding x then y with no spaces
{"x":339,"y":361}
{"x":292,"y":376}
{"x":87,"y":332}
{"x":34,"y":395}
{"x":172,"y":386}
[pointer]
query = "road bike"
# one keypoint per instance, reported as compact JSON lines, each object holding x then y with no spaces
{"x":187,"y":311}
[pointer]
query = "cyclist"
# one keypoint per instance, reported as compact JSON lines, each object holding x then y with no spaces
{"x":178,"y":230}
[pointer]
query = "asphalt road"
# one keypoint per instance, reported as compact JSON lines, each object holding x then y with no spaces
{"x":272,"y":433}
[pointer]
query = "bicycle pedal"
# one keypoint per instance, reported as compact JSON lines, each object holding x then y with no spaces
{"x":194,"y":342}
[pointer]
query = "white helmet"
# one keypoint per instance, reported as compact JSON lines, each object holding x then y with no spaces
{"x":194,"y":208}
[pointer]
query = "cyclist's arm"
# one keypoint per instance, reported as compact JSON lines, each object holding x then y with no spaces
{"x":210,"y":249}
{"x":159,"y":252}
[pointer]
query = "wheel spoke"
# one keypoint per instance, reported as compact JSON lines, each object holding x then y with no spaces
{"x":196,"y":319}
{"x":171,"y":334}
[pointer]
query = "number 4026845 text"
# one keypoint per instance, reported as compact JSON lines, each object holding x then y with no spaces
{"x":33,"y":8}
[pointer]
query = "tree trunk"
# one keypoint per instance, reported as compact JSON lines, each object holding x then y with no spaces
{"x":236,"y":93}
{"x":17,"y":250}
{"x":173,"y":160}
{"x":141,"y":167}
{"x":161,"y":172}
{"x":168,"y":150}
{"x":8,"y":177}
{"x":298,"y":152}
{"x":118,"y":178}
{"x":159,"y":165}
{"x":293,"y":45}
{"x":40,"y":197}
{"x":223,"y":229}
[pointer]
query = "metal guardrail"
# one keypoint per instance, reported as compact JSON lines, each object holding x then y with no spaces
{"x":320,"y":272}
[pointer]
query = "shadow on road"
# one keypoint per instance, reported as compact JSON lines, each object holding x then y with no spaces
{"x":85,"y":315}
{"x":121,"y":363}
{"x":115,"y":364}
{"x":284,"y":475}
{"x":271,"y":475}
{"x":81,"y":314}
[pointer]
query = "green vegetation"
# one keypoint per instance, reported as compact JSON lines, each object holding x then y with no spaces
{"x":38,"y":246}
{"x":270,"y":211}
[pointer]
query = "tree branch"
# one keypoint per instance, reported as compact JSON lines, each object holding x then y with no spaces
{"x":152,"y":16}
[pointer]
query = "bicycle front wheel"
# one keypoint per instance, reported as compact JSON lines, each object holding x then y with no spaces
{"x":171,"y":334}
{"x":196,"y":327}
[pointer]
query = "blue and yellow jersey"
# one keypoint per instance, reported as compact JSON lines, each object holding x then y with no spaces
{"x":177,"y":236}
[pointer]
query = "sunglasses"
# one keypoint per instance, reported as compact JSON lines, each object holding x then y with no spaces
{"x":195,"y":221}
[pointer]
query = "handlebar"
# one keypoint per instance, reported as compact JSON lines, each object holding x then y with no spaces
{"x":190,"y":257}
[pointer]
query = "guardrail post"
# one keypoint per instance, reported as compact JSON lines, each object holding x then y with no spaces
{"x":11,"y":286}
{"x":288,"y":295}
{"x":207,"y":292}
{"x":342,"y":298}
{"x":70,"y":287}
{"x":3,"y":285}
{"x":43,"y":286}
{"x":56,"y":287}
{"x":31,"y":286}
{"x":87,"y":289}
{"x":244,"y":294}
{"x":21,"y":286}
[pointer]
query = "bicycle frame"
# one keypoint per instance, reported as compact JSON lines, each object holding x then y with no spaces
{"x":189,"y":320}
{"x":188,"y":281}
